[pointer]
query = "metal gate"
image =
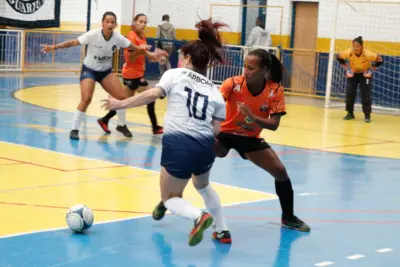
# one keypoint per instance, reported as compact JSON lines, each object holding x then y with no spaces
{"x":11,"y":54}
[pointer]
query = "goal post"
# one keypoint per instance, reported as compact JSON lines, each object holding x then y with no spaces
{"x":378,"y":22}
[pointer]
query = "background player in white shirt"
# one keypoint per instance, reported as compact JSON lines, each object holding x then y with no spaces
{"x":97,"y":67}
{"x":193,"y":118}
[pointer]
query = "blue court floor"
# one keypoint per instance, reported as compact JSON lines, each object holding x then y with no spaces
{"x":351,"y":202}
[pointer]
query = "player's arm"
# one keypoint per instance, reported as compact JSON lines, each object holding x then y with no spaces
{"x":66,"y":44}
{"x":137,"y":50}
{"x":277,"y":109}
{"x":141,"y":99}
{"x":376,"y":60}
{"x":227,"y":88}
{"x":219,"y":114}
{"x":343,"y":57}
{"x":216,"y":127}
{"x":163,"y":88}
{"x":269,"y":124}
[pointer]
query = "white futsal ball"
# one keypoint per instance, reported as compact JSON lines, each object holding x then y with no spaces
{"x":79,"y":218}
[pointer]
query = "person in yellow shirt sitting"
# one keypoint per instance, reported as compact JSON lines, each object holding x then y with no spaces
{"x":359,"y":72}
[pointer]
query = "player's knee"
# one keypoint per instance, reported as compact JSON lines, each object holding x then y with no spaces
{"x":199,"y":184}
{"x":169,"y":195}
{"x":86,"y":100}
{"x":280,"y":172}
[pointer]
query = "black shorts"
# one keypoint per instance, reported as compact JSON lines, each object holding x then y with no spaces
{"x":134,"y":84}
{"x":242,"y":144}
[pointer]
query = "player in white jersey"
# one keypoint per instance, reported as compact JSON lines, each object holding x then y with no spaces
{"x":97,"y":67}
{"x":193,"y":118}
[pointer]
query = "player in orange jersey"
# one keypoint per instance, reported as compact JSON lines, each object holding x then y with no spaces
{"x":133,"y":72}
{"x":255,"y":101}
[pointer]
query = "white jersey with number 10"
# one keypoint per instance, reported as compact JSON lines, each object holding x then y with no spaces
{"x":193,"y":103}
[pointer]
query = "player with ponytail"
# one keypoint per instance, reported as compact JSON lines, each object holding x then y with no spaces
{"x":192,"y":121}
{"x":255,"y":101}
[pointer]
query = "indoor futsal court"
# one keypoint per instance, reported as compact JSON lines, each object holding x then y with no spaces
{"x":345,"y":174}
{"x":345,"y":177}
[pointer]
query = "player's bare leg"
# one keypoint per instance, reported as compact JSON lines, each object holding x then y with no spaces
{"x":270,"y":162}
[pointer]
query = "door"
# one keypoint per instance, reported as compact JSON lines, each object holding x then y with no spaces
{"x":305,"y":38}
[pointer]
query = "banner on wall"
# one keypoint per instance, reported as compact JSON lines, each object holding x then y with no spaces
{"x":30,"y":13}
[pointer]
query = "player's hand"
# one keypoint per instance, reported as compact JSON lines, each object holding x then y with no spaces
{"x":349,"y":73}
{"x":161,"y":52}
{"x":245,"y":110}
{"x":144,"y":47}
{"x":368,"y":73}
{"x":112,"y":104}
{"x":47,"y":48}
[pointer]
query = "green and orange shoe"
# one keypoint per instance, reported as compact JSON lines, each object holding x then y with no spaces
{"x":200,"y":225}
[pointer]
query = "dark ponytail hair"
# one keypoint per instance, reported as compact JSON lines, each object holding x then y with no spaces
{"x":109,"y":13}
{"x":205,"y":50}
{"x":359,"y":40}
{"x":271,"y":62}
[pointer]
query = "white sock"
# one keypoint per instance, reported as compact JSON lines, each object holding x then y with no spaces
{"x":121,"y":117}
{"x":78,"y":117}
{"x":181,"y":207}
{"x":213,"y":204}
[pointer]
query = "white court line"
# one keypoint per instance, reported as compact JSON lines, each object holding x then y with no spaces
{"x":307,"y":194}
{"x":130,"y":218}
{"x":384,"y":250}
{"x":324,"y":263}
{"x":355,"y":257}
{"x":119,"y":220}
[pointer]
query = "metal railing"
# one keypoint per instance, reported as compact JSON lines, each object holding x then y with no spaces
{"x":65,"y":60}
{"x":11,"y":52}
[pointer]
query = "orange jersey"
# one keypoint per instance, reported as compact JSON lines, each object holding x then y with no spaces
{"x":134,"y":69}
{"x":270,"y":101}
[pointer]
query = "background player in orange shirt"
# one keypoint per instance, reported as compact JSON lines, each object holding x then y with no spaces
{"x":134,"y":69}
{"x":255,"y":101}
{"x":359,"y":73}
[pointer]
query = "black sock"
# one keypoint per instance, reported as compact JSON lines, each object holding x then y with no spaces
{"x":109,"y":115}
{"x":152,"y":114}
{"x":284,"y":191}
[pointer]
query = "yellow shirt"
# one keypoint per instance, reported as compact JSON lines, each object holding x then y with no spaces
{"x":360,"y":63}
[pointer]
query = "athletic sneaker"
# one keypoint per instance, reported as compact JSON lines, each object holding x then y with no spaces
{"x":295,"y":223}
{"x":124,"y":130}
{"x":200,"y":225}
{"x":367,"y":118}
{"x":104,"y":125}
{"x":159,"y":211}
{"x":222,"y":236}
{"x":74,"y":135}
{"x":158,"y":130}
{"x":349,"y":116}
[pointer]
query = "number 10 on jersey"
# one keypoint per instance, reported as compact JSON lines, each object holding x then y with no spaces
{"x":192,"y":105}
